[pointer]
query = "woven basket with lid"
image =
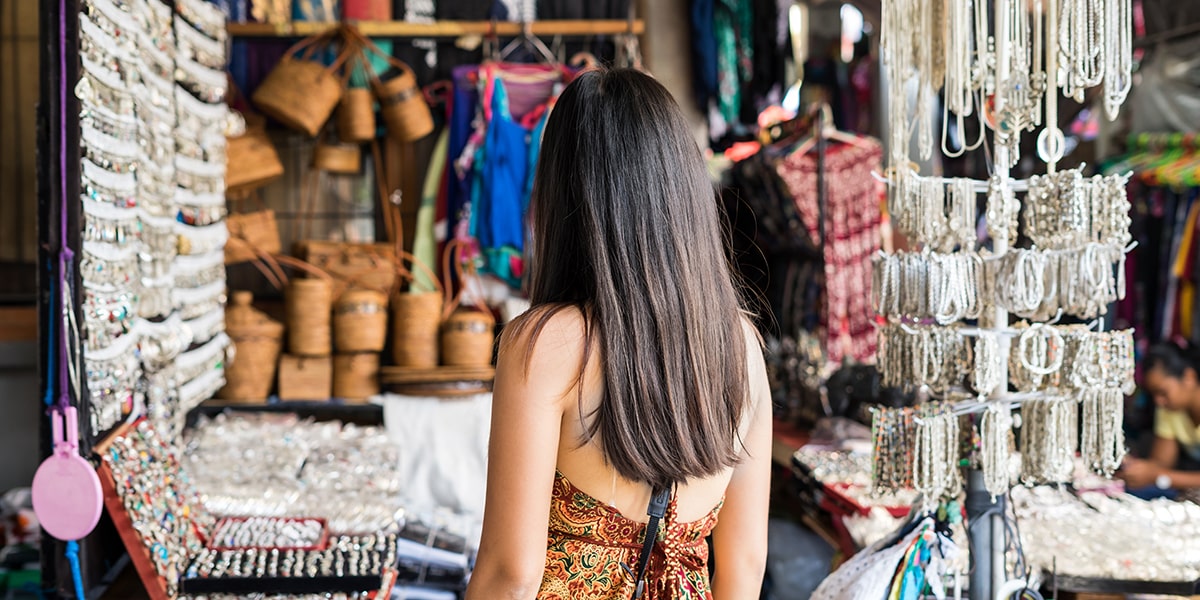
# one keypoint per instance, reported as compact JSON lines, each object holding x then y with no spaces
{"x":257,"y":340}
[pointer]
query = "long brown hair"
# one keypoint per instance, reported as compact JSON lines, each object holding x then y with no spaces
{"x":625,"y":227}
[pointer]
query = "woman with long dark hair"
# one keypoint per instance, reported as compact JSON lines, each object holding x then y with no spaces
{"x":633,"y":395}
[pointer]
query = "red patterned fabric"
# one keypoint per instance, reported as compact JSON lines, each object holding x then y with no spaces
{"x":589,"y":541}
{"x":852,"y":223}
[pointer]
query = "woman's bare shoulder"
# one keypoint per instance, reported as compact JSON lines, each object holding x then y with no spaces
{"x":545,"y":343}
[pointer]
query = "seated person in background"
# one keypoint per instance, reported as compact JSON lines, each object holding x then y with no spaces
{"x":1170,"y":376}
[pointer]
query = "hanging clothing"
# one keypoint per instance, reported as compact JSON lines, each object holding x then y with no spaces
{"x":733,"y":22}
{"x":465,"y":99}
{"x":425,"y":238}
{"x":704,"y":52}
{"x":503,"y":171}
{"x":1182,"y":271}
{"x":589,"y":541}
{"x":851,"y":238}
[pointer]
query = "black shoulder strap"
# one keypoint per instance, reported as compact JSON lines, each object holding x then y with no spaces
{"x":657,"y":509}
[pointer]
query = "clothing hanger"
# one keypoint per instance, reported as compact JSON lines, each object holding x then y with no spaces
{"x":781,"y":134}
{"x":1181,"y":173}
{"x":531,"y":43}
{"x":830,"y":132}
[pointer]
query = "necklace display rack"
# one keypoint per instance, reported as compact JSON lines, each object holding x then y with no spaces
{"x":179,"y":549}
{"x":1004,"y":63}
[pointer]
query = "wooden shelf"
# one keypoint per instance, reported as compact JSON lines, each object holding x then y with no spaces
{"x":444,"y":29}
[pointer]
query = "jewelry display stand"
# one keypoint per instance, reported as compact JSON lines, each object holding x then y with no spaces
{"x":1000,"y":62}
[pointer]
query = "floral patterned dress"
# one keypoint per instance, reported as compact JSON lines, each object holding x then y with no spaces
{"x":590,"y":543}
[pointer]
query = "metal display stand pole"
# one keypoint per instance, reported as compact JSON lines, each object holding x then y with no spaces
{"x":985,"y":540}
{"x":985,"y":516}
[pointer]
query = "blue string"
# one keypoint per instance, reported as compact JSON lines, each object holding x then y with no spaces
{"x":76,"y":575}
{"x":50,"y":350}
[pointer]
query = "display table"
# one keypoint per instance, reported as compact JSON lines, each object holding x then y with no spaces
{"x":826,"y":507}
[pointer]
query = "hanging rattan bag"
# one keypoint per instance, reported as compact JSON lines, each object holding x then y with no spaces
{"x":467,"y":336}
{"x":333,"y":157}
{"x":401,"y":102}
{"x":300,"y":92}
{"x":250,"y":234}
{"x":251,"y":160}
{"x":355,"y":116}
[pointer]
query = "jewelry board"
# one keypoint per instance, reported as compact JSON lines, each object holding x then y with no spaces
{"x":169,"y":577}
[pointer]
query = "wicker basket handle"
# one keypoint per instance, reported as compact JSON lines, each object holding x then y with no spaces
{"x":402,"y":273}
{"x":453,"y":258}
{"x":310,"y":45}
{"x":366,"y":44}
{"x":271,"y":266}
{"x":392,"y":220}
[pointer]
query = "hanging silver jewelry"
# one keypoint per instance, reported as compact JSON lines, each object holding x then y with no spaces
{"x":995,"y":433}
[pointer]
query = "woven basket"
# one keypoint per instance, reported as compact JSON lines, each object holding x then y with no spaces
{"x":366,"y":266}
{"x":337,"y":158}
{"x":355,"y":117}
{"x":305,"y":377}
{"x":251,"y":162}
{"x":403,"y":106}
{"x":360,"y":321}
{"x":355,"y":376}
{"x":250,"y":234}
{"x":308,"y":304}
{"x":301,"y":93}
{"x":258,"y":341}
{"x":415,"y":321}
{"x":401,"y":101}
{"x":467,"y":336}
{"x":467,"y":339}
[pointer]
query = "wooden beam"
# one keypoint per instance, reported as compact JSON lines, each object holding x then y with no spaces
{"x":444,"y":29}
{"x":18,"y":323}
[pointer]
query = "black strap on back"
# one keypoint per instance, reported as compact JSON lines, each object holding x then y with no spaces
{"x":657,"y":510}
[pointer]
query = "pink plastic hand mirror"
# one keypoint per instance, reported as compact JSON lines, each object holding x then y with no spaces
{"x":66,"y":490}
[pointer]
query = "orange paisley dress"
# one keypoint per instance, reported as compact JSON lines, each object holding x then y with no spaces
{"x":589,"y":542}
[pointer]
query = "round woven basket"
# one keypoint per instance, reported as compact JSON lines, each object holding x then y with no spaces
{"x":308,"y":304}
{"x":355,"y":376}
{"x":301,"y":93}
{"x":403,"y":106}
{"x":355,"y":116}
{"x":258,"y":341}
{"x":467,"y":339}
{"x":415,"y":320}
{"x":360,"y":321}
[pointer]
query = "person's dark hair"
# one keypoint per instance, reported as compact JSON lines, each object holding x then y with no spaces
{"x":625,"y":227}
{"x":1172,"y":359}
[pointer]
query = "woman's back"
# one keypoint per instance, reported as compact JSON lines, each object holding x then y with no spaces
{"x":586,"y":466}
{"x":598,"y":517}
{"x":635,"y":370}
